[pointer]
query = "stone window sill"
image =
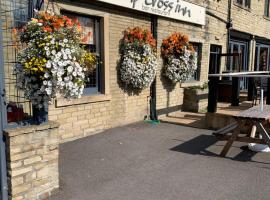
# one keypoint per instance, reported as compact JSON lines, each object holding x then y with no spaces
{"x":84,"y":100}
{"x":266,"y":17}
{"x":190,"y":84}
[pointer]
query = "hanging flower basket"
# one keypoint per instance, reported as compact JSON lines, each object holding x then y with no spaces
{"x":139,"y":60}
{"x":52,"y":61}
{"x":180,"y":59}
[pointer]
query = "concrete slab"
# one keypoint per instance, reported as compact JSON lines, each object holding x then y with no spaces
{"x":162,"y":162}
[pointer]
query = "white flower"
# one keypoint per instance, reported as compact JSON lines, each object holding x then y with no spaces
{"x":53,"y":52}
{"x":70,"y":69}
{"x":48,"y":65}
{"x":59,"y":54}
{"x":46,"y":75}
{"x":138,"y":70}
{"x":65,"y":63}
{"x":65,"y":56}
{"x":65,"y":40}
{"x":60,"y":63}
{"x":49,"y":91}
{"x":68,"y":51}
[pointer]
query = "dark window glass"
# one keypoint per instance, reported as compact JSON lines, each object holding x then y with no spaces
{"x":262,"y":57}
{"x":266,"y":8}
{"x":198,"y":49}
{"x":244,"y":3}
{"x":215,"y":59}
{"x":91,"y":41}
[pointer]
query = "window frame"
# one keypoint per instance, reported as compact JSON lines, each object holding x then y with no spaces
{"x":243,"y":4}
{"x":267,"y":8}
{"x":258,"y":54}
{"x":105,"y":94}
{"x":197,"y":74}
{"x":99,"y":41}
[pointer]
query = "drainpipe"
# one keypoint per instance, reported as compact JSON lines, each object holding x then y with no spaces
{"x":153,"y":89}
{"x":3,"y":122}
{"x":229,"y":26}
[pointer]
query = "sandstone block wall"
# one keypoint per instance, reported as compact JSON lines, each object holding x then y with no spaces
{"x":32,"y":161}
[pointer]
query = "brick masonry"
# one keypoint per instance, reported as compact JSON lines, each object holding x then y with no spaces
{"x":32,"y":152}
{"x":125,"y":107}
{"x":32,"y":161}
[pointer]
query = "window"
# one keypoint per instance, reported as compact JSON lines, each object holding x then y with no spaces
{"x":215,"y":59}
{"x":92,"y":42}
{"x":267,"y":8}
{"x":262,"y":57}
{"x":198,"y":49}
{"x":243,"y":3}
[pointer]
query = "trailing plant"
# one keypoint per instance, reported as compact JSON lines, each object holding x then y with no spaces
{"x":179,"y":56}
{"x":139,"y":60}
{"x":199,"y":87}
{"x":52,"y":61}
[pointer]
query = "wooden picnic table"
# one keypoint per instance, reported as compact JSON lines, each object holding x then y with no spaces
{"x":241,"y":130}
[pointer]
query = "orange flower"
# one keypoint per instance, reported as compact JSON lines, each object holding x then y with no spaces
{"x":14,"y":31}
{"x":60,"y":22}
{"x":56,"y":25}
{"x":79,"y":28}
{"x":185,"y":38}
{"x":139,"y":35}
{"x":47,"y":16}
{"x":47,"y":29}
{"x":69,"y":22}
{"x":175,"y":44}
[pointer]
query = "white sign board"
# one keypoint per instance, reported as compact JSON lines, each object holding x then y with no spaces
{"x":175,"y":9}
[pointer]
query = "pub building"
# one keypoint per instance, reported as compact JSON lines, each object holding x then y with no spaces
{"x":228,"y":36}
{"x":211,"y":26}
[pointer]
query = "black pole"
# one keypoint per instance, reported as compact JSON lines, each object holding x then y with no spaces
{"x":268,"y":92}
{"x":30,"y":9}
{"x":153,"y":89}
{"x":3,"y":124}
{"x":229,"y":26}
{"x":250,"y":89}
{"x":235,"y":91}
{"x":212,"y":94}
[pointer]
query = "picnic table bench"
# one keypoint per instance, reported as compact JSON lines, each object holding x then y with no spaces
{"x":248,"y":121}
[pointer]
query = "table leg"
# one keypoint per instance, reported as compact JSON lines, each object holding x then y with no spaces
{"x":263,"y":132}
{"x":229,"y":143}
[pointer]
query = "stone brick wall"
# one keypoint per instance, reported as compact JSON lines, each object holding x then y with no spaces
{"x":117,"y":107}
{"x":121,"y":106}
{"x":32,"y":161}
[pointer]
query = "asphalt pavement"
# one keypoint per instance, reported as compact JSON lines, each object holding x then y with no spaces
{"x":160,"y":162}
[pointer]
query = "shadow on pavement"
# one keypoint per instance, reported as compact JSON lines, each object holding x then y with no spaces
{"x":200,"y":144}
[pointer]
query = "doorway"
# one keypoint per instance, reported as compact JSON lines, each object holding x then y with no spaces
{"x":239,"y":61}
{"x":262,"y":57}
{"x":215,"y":59}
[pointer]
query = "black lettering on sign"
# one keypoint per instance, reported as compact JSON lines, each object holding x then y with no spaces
{"x":184,"y":10}
{"x":134,"y":3}
{"x":151,"y":2}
